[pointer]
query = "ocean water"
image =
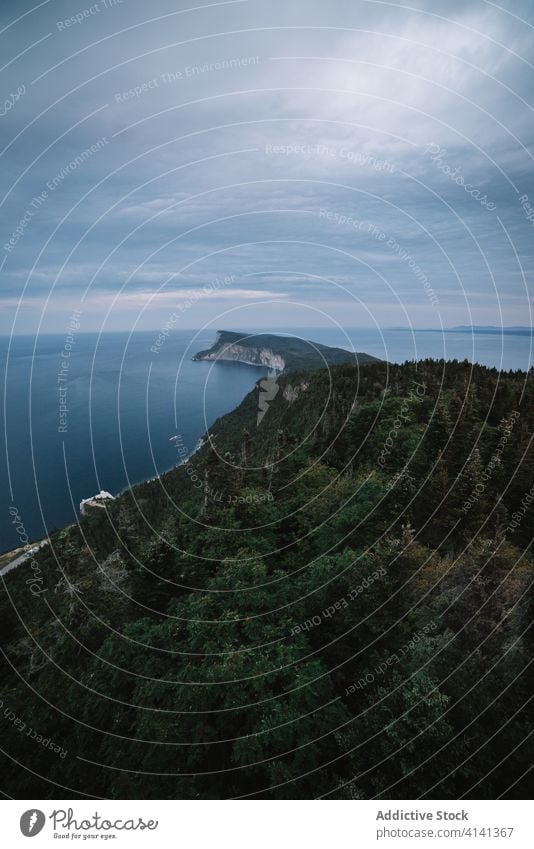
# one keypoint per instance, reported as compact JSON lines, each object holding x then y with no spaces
{"x":124,"y":404}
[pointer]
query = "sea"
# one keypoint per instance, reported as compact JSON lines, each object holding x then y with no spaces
{"x":98,"y":412}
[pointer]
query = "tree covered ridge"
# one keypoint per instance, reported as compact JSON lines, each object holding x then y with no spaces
{"x":335,"y":602}
{"x":295,"y":353}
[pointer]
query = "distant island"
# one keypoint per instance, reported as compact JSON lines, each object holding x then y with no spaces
{"x":279,"y":353}
{"x":512,"y":330}
{"x":489,"y":328}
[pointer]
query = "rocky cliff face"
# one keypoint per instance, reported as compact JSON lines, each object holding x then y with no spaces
{"x":236,"y":353}
{"x":291,"y":392}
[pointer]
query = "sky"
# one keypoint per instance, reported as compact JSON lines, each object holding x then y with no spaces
{"x":254,"y":164}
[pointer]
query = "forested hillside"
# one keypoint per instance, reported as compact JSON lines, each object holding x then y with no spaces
{"x":333,"y":602}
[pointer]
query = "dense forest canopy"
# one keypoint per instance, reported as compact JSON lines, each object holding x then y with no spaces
{"x":333,"y":600}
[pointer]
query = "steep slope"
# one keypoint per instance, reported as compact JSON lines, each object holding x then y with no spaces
{"x":331,"y":601}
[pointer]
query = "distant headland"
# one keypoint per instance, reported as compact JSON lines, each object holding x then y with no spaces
{"x":278,"y":353}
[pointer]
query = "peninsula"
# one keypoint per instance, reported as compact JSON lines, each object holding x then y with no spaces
{"x":278,"y":353}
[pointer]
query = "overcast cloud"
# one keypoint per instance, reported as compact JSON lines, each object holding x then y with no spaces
{"x":362,"y":162}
